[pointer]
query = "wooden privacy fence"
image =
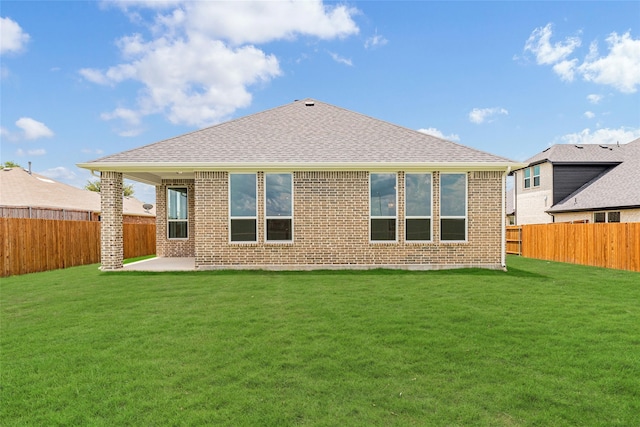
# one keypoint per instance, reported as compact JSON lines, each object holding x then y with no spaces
{"x":610,"y":245}
{"x":32,"y":245}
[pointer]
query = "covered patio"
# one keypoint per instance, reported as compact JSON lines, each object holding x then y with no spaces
{"x":162,"y":264}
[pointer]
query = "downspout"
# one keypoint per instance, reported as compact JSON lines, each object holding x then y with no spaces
{"x":503,"y":243}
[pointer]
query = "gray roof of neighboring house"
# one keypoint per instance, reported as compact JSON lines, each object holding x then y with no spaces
{"x":305,"y":134}
{"x":579,"y":153}
{"x":19,"y":188}
{"x":619,"y":187}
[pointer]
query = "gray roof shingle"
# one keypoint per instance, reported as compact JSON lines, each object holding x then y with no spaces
{"x":300,"y":133}
{"x":19,"y":188}
{"x":619,"y":187}
{"x":579,"y":153}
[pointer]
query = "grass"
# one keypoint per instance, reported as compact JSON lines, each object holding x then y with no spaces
{"x":546,"y":344}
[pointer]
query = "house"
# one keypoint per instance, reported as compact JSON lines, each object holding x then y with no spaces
{"x":310,"y":185}
{"x":510,"y":206}
{"x":580,"y":183}
{"x":24,"y":194}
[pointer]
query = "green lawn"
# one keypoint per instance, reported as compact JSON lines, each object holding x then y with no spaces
{"x":546,"y":344}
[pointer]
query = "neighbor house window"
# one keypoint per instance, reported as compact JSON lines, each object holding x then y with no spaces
{"x":613,"y":216}
{"x":382,"y":206}
{"x":242,"y":207}
{"x":453,"y":207}
{"x":528,"y":173}
{"x":177,"y":215}
{"x":418,"y":207}
{"x":278,"y":207}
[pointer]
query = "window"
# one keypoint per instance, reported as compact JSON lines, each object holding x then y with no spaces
{"x":536,"y":176}
{"x":177,"y":215}
{"x":278,"y":207}
{"x":613,"y":216}
{"x":418,"y":207}
{"x":242,"y":207}
{"x":382,"y":206}
{"x":453,"y":207}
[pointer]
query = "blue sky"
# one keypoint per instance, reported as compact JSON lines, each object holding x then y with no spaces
{"x":81,"y":80}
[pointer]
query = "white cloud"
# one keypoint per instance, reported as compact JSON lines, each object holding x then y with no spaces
{"x":566,"y":69}
{"x":60,"y":173}
{"x":594,"y":98}
{"x":341,"y":60}
{"x":242,"y":22}
{"x":539,"y":43}
{"x":196,"y":71}
{"x":438,"y":134}
{"x":33,"y":152}
{"x":620,"y":68}
{"x":92,"y":151}
{"x":33,"y":129}
{"x":481,"y":115}
{"x":130,"y":116}
{"x":375,"y":41}
{"x":12,"y":37}
{"x":600,"y":136}
{"x":589,"y":114}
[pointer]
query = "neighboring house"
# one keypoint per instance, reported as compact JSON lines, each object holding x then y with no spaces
{"x":580,"y":183}
{"x":29,"y":195}
{"x":510,"y":210}
{"x":311,"y":185}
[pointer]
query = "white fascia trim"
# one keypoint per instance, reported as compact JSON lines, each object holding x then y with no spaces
{"x":306,"y":166}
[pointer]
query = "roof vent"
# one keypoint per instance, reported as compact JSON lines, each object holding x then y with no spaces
{"x":309,"y":103}
{"x":580,"y":146}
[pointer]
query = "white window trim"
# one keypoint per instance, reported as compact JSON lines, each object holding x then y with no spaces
{"x":383,"y":242}
{"x":277,"y":217}
{"x":255,"y":218}
{"x":525,"y":178}
{"x":534,"y":176}
{"x":177,"y":220}
{"x":466,"y":208}
{"x":606,"y":217}
{"x":406,"y":217}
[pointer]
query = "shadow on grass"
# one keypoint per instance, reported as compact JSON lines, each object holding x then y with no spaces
{"x":475,"y":272}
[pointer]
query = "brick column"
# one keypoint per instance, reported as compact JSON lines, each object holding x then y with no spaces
{"x":111,"y":235}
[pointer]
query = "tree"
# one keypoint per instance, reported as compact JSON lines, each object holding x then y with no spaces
{"x":10,"y":164}
{"x":127,"y":189}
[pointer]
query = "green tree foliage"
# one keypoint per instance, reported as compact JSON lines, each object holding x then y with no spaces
{"x":10,"y":164}
{"x":127,"y":189}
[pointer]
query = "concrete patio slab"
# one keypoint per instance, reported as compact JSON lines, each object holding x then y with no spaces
{"x":162,"y":264}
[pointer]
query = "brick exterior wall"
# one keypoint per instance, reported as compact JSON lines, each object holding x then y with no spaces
{"x":111,"y":228}
{"x":166,"y":247}
{"x":331,"y":226}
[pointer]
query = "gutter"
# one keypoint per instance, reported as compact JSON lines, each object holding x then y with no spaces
{"x":158,"y":167}
{"x":503,"y":244}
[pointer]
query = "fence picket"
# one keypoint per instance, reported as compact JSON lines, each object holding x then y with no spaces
{"x":32,"y":245}
{"x":610,"y":245}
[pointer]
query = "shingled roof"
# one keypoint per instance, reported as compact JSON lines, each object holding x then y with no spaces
{"x":579,"y":153}
{"x":19,"y":188}
{"x":305,"y":134}
{"x":618,"y":187}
